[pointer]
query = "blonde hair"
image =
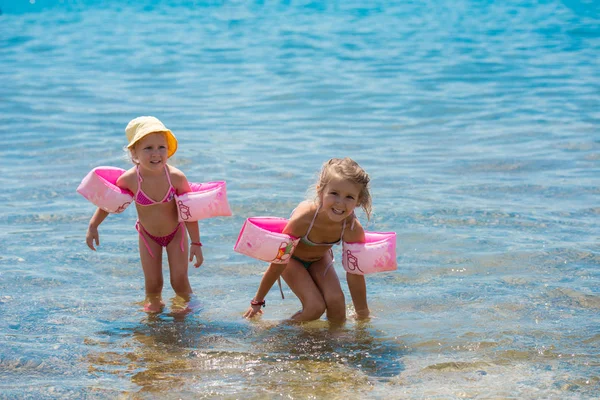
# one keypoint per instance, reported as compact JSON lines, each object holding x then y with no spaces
{"x":349,"y":169}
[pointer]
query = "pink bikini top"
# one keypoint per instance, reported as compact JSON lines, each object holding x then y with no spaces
{"x":143,"y":199}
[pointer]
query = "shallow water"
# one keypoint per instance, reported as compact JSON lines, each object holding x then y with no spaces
{"x":478,"y":122}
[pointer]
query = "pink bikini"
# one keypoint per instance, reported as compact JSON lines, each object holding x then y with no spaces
{"x":144,"y":200}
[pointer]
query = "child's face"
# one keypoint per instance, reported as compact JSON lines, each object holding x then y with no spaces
{"x":151,"y":151}
{"x":340,"y":198}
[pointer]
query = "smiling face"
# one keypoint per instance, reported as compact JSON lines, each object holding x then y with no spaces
{"x":340,"y":197}
{"x":346,"y":172}
{"x":151,"y":151}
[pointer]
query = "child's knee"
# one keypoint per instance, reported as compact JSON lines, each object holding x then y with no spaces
{"x":337,"y":301}
{"x":336,"y":314}
{"x":314,"y":309}
{"x":336,"y":307}
{"x":180,"y":283}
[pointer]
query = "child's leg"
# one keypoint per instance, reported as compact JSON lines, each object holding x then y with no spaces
{"x":153,"y":278}
{"x":178,"y":264}
{"x":304,"y":287}
{"x":324,"y":276}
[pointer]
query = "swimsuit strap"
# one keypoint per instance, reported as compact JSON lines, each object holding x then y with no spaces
{"x":280,"y":288}
{"x":137,"y":171}
{"x":312,"y":222}
{"x":139,"y":192}
{"x":330,"y":262}
{"x":343,"y":229}
{"x":139,"y":227}
{"x":306,"y":240}
{"x":148,"y":201}
{"x":140,"y":180}
{"x":168,"y":177}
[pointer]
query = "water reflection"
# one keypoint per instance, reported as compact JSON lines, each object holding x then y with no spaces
{"x":358,"y":347}
{"x":160,"y":354}
{"x":169,"y":354}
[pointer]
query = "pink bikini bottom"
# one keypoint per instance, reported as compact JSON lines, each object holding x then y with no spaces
{"x":160,"y":240}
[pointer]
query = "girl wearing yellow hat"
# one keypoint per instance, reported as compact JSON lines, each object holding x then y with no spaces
{"x":154,"y":184}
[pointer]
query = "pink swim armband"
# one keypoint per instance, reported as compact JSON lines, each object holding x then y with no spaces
{"x":263,"y":238}
{"x":206,"y":200}
{"x":100,"y":187}
{"x":376,"y":254}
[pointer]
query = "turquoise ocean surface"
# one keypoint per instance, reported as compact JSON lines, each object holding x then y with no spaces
{"x":478,"y":122}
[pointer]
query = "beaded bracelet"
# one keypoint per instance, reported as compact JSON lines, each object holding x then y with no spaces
{"x":257,"y":303}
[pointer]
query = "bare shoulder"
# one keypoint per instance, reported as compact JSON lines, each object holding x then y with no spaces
{"x":178,"y":179}
{"x":301,"y":218}
{"x":175,"y":173}
{"x":304,"y":210}
{"x":128,"y":180}
{"x":354,"y":231}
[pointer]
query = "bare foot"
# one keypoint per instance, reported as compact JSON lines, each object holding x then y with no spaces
{"x":184,"y":304}
{"x":153,"y":304}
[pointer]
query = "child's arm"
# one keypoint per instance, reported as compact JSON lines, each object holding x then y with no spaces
{"x":92,"y":233}
{"x":195,"y":249}
{"x":358,"y":291}
{"x":100,"y":215}
{"x":181,"y":184}
{"x":356,"y":283}
{"x":295,"y":227}
{"x":271,"y":275}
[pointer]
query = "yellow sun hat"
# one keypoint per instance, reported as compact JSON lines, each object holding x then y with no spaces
{"x":139,"y":127}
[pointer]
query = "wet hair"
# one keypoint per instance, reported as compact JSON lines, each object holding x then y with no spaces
{"x":349,"y":169}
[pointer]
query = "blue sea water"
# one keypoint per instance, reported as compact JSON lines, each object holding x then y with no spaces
{"x":478,"y":122}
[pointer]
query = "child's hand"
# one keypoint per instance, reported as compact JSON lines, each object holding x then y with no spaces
{"x":197,"y":252}
{"x":92,"y":236}
{"x":252,"y":311}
